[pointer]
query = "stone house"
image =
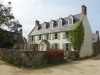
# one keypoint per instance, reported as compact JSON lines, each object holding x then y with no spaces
{"x":96,"y":42}
{"x":21,"y":42}
{"x":54,"y":35}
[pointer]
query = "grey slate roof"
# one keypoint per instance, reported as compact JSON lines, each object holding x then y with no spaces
{"x":59,"y":28}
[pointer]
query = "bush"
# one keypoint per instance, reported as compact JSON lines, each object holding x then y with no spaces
{"x":55,"y":55}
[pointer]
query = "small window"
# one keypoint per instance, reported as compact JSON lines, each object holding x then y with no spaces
{"x":56,"y":36}
{"x":47,"y":36}
{"x":70,"y":21}
{"x":55,"y":24}
{"x":67,"y":35}
{"x":39,"y":27}
{"x":63,"y":22}
{"x":47,"y":26}
{"x":55,"y":46}
{"x":39,"y":37}
{"x":33,"y":38}
{"x":68,"y":46}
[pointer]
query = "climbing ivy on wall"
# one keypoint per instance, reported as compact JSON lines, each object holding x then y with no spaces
{"x":76,"y":36}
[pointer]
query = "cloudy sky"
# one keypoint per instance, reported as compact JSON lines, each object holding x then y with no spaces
{"x":27,"y":11}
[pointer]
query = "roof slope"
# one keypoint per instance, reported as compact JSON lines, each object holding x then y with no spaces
{"x":65,"y":27}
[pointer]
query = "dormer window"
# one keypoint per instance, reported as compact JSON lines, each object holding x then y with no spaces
{"x":47,"y":26}
{"x":55,"y":24}
{"x":39,"y":27}
{"x":63,"y":22}
{"x":70,"y":21}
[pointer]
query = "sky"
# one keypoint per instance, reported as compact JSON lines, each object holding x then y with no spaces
{"x":27,"y":11}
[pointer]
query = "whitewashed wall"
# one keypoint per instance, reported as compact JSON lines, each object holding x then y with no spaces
{"x":87,"y":48}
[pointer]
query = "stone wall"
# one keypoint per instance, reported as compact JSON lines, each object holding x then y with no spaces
{"x":96,"y":47}
{"x":73,"y":54}
{"x":30,"y":58}
{"x":23,"y":58}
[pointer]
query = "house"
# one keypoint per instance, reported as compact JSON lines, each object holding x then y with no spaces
{"x":21,"y":42}
{"x":96,"y":42}
{"x":54,"y":35}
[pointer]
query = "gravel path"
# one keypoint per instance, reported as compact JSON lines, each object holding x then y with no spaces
{"x":89,"y":66}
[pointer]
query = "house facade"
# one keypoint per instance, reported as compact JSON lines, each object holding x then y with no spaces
{"x":54,"y":34}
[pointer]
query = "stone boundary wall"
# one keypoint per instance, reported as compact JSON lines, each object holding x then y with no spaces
{"x":23,"y":58}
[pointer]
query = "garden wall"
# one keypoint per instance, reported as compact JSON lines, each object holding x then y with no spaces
{"x":29,"y":58}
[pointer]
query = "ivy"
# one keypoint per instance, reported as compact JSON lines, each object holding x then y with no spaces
{"x":77,"y":36}
{"x":35,"y":47}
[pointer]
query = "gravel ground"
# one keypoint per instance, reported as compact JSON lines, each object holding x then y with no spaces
{"x":90,"y":66}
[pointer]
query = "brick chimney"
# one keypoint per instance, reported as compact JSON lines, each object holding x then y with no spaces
{"x":36,"y":22}
{"x":84,"y":10}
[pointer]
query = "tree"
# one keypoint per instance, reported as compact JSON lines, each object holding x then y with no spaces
{"x":7,"y":19}
{"x":35,"y":47}
{"x":8,"y":24}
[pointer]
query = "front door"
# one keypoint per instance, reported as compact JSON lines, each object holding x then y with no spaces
{"x":42,"y":47}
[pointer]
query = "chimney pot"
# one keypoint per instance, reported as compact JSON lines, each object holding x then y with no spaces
{"x":36,"y":22}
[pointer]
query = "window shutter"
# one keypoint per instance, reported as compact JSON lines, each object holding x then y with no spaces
{"x":64,"y":46}
{"x":33,"y":38}
{"x":41,"y":37}
{"x":69,"y":47}
{"x":45,"y":37}
{"x":57,"y":46}
{"x":37,"y":38}
{"x":58,"y":36}
{"x":30,"y":38}
{"x":49,"y":36}
{"x":53,"y":36}
{"x":64,"y":35}
{"x":53,"y":46}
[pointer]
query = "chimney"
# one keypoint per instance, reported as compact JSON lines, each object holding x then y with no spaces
{"x":36,"y":22}
{"x":84,"y":10}
{"x":97,"y":33}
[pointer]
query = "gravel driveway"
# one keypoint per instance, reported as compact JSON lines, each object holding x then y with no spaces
{"x":89,"y":66}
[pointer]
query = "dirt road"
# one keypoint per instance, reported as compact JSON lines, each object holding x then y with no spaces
{"x":89,"y":66}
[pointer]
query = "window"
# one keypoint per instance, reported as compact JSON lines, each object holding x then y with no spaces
{"x":33,"y":38}
{"x":39,"y":27}
{"x":47,"y":36}
{"x":39,"y":37}
{"x":56,"y":36}
{"x":55,"y":46}
{"x":70,"y":21}
{"x":63,"y":22}
{"x":67,"y":35}
{"x":68,"y":47}
{"x":47,"y":26}
{"x":55,"y":24}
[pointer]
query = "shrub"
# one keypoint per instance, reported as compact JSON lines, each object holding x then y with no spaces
{"x":55,"y":55}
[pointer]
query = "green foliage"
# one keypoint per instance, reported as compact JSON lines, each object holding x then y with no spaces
{"x":77,"y":36}
{"x":7,"y":20}
{"x":35,"y":47}
{"x":6,"y":38}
